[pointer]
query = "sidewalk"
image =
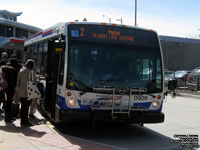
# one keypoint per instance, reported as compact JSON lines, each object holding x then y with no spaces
{"x":41,"y":136}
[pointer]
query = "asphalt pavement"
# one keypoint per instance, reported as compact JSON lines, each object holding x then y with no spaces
{"x":41,"y":136}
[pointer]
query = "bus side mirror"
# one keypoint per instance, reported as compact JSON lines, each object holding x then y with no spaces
{"x":172,"y":84}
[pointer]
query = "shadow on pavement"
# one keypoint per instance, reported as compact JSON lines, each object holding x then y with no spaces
{"x":27,"y":131}
{"x":126,"y":136}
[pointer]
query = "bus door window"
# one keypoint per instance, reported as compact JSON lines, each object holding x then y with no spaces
{"x":44,"y":58}
{"x":61,"y":66}
{"x":39,"y":59}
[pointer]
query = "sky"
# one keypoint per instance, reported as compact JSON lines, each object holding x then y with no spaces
{"x":179,"y":18}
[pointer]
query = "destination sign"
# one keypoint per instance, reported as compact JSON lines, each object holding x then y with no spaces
{"x":112,"y":34}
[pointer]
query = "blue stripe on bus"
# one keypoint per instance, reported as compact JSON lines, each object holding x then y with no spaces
{"x":62,"y":104}
{"x":142,"y":105}
{"x":40,"y":33}
{"x":47,"y":33}
{"x":33,"y":36}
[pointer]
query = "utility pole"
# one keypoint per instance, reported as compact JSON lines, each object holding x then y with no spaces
{"x":135,"y":12}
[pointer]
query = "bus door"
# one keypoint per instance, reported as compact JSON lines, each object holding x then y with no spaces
{"x":53,"y":58}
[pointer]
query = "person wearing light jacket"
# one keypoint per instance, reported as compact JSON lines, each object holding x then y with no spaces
{"x":23,"y":77}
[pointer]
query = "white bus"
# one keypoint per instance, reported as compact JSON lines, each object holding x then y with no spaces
{"x":99,"y":71}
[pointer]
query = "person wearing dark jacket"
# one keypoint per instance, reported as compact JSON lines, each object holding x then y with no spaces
{"x":4,"y":60}
{"x":11,"y":77}
{"x":15,"y":63}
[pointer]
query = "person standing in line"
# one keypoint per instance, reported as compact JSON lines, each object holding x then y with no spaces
{"x":33,"y":106}
{"x":15,"y":64}
{"x":11,"y":77}
{"x":15,"y":107}
{"x":22,"y":79}
{"x":4,"y":60}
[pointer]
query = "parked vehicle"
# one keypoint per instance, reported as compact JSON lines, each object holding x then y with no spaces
{"x":181,"y":77}
{"x":168,"y":76}
{"x":193,"y":80}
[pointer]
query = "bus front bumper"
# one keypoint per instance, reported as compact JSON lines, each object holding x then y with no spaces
{"x":135,"y":116}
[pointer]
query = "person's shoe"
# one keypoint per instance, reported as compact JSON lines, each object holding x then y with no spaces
{"x":13,"y":119}
{"x":32,"y":116}
{"x":27,"y":124}
{"x":8,"y":120}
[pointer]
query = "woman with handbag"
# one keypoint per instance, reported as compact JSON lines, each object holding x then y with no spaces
{"x":25,"y":75}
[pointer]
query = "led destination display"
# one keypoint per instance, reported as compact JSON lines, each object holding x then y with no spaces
{"x":112,"y":34}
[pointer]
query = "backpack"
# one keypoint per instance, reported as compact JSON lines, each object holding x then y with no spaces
{"x":3,"y":82}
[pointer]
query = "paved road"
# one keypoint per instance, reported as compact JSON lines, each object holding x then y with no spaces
{"x":182,"y":118}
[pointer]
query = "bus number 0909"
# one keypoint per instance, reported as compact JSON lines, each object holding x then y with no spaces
{"x":139,"y":97}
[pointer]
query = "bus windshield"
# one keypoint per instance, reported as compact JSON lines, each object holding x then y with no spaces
{"x":92,"y":64}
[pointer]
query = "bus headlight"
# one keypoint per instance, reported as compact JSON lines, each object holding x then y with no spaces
{"x":155,"y":104}
{"x":71,"y":101}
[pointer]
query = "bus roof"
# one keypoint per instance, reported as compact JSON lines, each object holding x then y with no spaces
{"x":59,"y":29}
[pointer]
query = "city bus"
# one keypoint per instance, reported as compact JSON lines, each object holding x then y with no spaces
{"x":99,"y":71}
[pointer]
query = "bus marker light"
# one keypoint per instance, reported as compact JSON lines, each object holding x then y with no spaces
{"x":155,"y":104}
{"x":71,"y":101}
{"x":158,"y":97}
{"x":151,"y":30}
{"x":69,"y":93}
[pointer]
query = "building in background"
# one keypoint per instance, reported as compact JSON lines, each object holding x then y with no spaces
{"x":180,"y":53}
{"x":13,"y":33}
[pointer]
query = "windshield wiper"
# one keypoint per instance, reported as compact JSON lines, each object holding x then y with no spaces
{"x":107,"y":81}
{"x":97,"y":87}
{"x":139,"y":89}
